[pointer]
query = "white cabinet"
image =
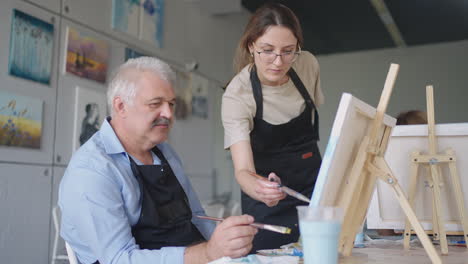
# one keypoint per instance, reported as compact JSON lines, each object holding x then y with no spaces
{"x":25,"y":213}
{"x":53,"y":5}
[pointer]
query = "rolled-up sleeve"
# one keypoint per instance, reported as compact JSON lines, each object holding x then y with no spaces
{"x":237,"y":119}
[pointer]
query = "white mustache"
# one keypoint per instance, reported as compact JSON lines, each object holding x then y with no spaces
{"x":161,"y":121}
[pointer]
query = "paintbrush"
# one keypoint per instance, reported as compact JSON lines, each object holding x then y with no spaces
{"x":286,"y":189}
{"x":274,"y":228}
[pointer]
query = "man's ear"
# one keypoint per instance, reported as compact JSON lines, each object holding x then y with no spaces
{"x":119,"y":106}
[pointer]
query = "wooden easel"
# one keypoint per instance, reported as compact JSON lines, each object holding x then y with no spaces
{"x":434,"y":161}
{"x":368,"y":166}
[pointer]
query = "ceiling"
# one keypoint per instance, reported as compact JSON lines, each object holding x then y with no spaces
{"x":333,"y":26}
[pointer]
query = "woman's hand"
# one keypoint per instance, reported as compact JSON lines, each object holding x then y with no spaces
{"x":268,"y":191}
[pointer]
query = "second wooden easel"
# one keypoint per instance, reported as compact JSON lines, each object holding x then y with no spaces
{"x":434,"y":160}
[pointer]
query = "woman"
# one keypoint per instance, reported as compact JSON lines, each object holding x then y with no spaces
{"x":271,"y":122}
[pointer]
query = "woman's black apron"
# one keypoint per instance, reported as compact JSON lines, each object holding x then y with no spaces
{"x":290,"y":150}
{"x":165,"y":217}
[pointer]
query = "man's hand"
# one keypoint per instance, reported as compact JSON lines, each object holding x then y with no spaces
{"x":232,"y":238}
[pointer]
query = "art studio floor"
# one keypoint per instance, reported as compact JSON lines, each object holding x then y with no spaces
{"x":391,"y":252}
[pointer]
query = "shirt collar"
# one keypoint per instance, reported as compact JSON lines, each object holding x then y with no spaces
{"x":112,"y":143}
{"x":110,"y":140}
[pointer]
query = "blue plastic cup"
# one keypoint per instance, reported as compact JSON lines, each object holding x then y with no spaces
{"x":320,"y":229}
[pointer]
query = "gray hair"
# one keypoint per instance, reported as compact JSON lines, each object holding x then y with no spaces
{"x":123,"y":82}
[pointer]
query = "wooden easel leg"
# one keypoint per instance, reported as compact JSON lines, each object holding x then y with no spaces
{"x":426,"y":242}
{"x":400,"y":195}
{"x":438,"y":209}
{"x":458,"y":195}
{"x":359,"y":211}
{"x":435,"y":217}
{"x":411,"y":196}
{"x":349,"y":199}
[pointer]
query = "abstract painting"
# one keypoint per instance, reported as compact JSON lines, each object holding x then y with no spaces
{"x":31,"y":48}
{"x":20,"y":121}
{"x":87,"y":57}
{"x":126,"y":16}
{"x":132,"y":54}
{"x":90,"y":111}
{"x":200,"y":88}
{"x":152,"y":22}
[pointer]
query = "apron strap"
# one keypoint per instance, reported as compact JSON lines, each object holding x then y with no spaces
{"x":257,"y":92}
{"x":305,"y":94}
{"x":258,"y":96}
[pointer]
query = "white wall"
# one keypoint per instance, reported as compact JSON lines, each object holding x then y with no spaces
{"x":363,"y":74}
{"x":29,"y":178}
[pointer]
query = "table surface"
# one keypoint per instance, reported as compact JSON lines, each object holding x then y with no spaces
{"x":393,"y":253}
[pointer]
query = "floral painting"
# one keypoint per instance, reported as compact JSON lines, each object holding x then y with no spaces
{"x":31,"y":48}
{"x":87,"y":57}
{"x":20,"y":121}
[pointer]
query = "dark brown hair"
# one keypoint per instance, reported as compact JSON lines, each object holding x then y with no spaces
{"x":271,"y":14}
{"x":412,"y":117}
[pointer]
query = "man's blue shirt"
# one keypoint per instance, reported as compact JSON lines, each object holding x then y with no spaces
{"x":99,"y":198}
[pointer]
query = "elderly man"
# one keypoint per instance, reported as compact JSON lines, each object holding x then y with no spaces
{"x":124,"y":196}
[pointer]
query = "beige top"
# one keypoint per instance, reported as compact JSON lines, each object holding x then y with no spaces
{"x":280,"y":103}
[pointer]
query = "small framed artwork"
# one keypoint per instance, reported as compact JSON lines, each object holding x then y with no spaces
{"x":87,"y":56}
{"x":126,"y":16}
{"x":31,"y":48}
{"x":200,"y":88}
{"x":152,"y":22}
{"x":90,"y":111}
{"x":20,"y":121}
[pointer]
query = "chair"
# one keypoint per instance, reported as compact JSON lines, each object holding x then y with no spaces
{"x":214,"y":209}
{"x":56,"y":257}
{"x":236,"y":209}
{"x":71,"y":257}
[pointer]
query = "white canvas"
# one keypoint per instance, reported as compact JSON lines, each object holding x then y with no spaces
{"x":352,"y":122}
{"x":385,"y":212}
{"x":90,"y":111}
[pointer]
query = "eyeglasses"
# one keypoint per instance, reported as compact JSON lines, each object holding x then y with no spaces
{"x":268,"y":56}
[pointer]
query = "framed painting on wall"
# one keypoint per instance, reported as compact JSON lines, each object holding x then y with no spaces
{"x":90,"y":111}
{"x":126,"y":16}
{"x":31,"y":48}
{"x":20,"y":121}
{"x":87,"y":56}
{"x":200,"y":88}
{"x":152,"y":22}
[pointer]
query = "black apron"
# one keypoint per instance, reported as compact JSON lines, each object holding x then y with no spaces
{"x":165,"y":217}
{"x":290,"y":150}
